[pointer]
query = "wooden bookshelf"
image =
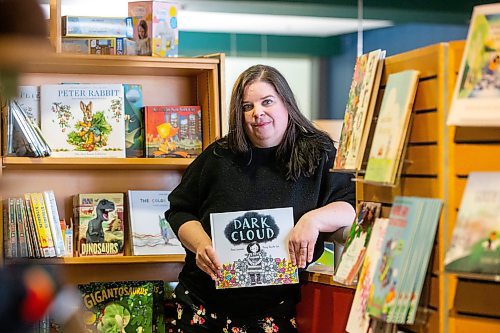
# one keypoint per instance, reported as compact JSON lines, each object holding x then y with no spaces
{"x":168,"y":81}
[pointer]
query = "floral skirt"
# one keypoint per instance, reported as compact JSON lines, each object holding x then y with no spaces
{"x":194,"y":317}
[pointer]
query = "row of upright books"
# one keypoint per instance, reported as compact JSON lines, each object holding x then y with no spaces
{"x":150,"y":29}
{"x":99,"y":225}
{"x":99,"y":120}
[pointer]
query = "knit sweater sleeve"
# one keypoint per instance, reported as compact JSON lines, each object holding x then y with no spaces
{"x":185,"y":199}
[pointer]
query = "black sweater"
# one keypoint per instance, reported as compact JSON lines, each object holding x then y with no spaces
{"x":218,"y":181}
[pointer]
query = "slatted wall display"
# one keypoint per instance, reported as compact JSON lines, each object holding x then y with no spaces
{"x":474,"y":302}
{"x":424,"y":172}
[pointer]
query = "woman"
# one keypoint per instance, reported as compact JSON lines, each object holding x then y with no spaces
{"x":272,"y":157}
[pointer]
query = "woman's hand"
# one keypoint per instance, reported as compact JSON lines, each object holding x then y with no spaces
{"x":302,"y":240}
{"x":206,"y":259}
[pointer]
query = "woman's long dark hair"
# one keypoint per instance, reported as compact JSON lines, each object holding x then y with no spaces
{"x":302,"y":146}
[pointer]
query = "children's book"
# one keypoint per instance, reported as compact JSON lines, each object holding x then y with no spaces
{"x":134,"y":120}
{"x":355,"y":245}
{"x":476,"y":98}
{"x":83,"y":120}
{"x":253,"y":247}
{"x":150,"y":231}
{"x":359,"y":320}
{"x":475,"y":244}
{"x":392,"y":265}
{"x":173,"y":131}
{"x":392,"y":127}
{"x":99,"y":219}
{"x":359,"y":111}
{"x":124,"y":306}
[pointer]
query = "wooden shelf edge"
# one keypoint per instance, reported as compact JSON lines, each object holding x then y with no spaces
{"x":95,"y":163}
{"x":149,"y":259}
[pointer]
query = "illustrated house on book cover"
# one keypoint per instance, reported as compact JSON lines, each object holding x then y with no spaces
{"x":151,"y":233}
{"x":123,"y":306}
{"x":475,"y":244}
{"x":173,"y":131}
{"x":253,"y":247}
{"x":476,"y":99}
{"x":359,"y":110}
{"x":392,"y":127}
{"x":99,"y":217}
{"x":83,"y":120}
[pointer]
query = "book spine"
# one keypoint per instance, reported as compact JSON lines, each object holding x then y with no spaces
{"x":21,"y":230}
{"x":37,"y":247}
{"x":68,"y":240}
{"x":41,"y":219}
{"x":13,"y":228}
{"x":27,"y":230}
{"x":54,"y":223}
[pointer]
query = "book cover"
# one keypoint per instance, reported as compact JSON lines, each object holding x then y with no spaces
{"x":355,"y":245}
{"x":475,"y":243}
{"x":83,"y":120}
{"x":253,"y":247}
{"x":476,"y":98}
{"x":122,"y":306}
{"x":155,"y":27}
{"x":173,"y":131}
{"x":55,"y":226}
{"x":392,"y":265}
{"x":150,"y":231}
{"x":392,"y":127}
{"x":99,"y":217}
{"x":134,"y":120}
{"x":359,"y":320}
{"x":359,"y":110}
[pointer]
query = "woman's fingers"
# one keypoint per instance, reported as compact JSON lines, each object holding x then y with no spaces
{"x":207,"y":261}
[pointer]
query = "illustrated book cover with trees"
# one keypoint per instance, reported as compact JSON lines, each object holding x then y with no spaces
{"x":253,"y":247}
{"x":100,"y":224}
{"x":134,"y":120}
{"x":476,"y":99}
{"x":475,"y":243}
{"x":356,"y":243}
{"x":173,"y":131}
{"x":150,"y":231}
{"x":123,"y":306}
{"x":359,"y":111}
{"x":83,"y":120}
{"x":392,"y":127}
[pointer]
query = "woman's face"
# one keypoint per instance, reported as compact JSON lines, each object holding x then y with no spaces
{"x":141,"y":32}
{"x":265,"y":115}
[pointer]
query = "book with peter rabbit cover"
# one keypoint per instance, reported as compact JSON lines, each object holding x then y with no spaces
{"x":253,"y":247}
{"x":83,"y":120}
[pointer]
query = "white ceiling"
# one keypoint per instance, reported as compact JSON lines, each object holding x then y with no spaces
{"x":205,"y":17}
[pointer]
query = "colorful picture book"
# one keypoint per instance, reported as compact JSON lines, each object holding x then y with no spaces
{"x":83,"y":120}
{"x":401,"y":268}
{"x":476,"y":99}
{"x":253,"y":247}
{"x":359,"y":111}
{"x":356,"y":243}
{"x":392,"y":127}
{"x":173,"y":131}
{"x":100,"y":223}
{"x":475,"y":244}
{"x":150,"y":231}
{"x":134,"y":120}
{"x":359,"y":320}
{"x":124,"y":306}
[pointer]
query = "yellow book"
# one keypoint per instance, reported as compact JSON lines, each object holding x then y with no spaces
{"x":42,"y":223}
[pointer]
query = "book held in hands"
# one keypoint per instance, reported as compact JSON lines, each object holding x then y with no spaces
{"x":253,"y":247}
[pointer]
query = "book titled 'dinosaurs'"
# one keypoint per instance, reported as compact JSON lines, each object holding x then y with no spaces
{"x":173,"y":131}
{"x":253,"y":247}
{"x":99,"y":217}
